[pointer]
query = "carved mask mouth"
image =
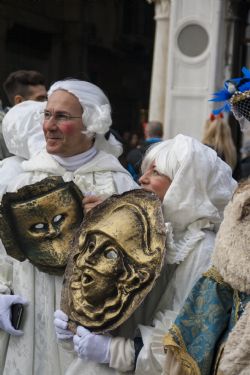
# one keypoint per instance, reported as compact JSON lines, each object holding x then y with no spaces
{"x":88,"y":277}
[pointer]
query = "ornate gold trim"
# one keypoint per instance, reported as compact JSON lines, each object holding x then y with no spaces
{"x":238,"y":96}
{"x":218,"y":359}
{"x":189,"y":365}
{"x":236,"y":299}
{"x":212,"y":273}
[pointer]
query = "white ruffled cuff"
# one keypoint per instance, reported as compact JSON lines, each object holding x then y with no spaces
{"x":151,"y":358}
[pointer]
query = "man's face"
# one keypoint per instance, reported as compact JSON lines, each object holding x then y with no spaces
{"x":37,"y":93}
{"x":65,"y":138}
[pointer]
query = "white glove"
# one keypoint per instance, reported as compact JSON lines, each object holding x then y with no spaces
{"x":61,"y":325}
{"x":6,"y":300}
{"x":92,"y":347}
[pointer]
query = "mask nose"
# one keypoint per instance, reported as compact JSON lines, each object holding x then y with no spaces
{"x":52,"y":231}
{"x":85,"y":260}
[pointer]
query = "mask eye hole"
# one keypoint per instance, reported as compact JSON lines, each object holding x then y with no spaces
{"x":38,"y":227}
{"x":91,"y":246}
{"x":58,"y":218}
{"x":111,"y":254}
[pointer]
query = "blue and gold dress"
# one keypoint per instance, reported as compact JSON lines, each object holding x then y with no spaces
{"x":210,"y":312}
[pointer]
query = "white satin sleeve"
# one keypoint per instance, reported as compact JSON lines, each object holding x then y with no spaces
{"x":122,"y":354}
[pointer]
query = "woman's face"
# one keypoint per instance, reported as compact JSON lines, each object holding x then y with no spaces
{"x":154,"y":181}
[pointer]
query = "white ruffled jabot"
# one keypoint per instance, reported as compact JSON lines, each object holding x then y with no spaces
{"x":177,"y":250}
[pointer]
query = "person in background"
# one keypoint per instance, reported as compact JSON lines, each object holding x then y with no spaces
{"x":19,"y":86}
{"x":217,"y":135}
{"x":134,"y":140}
{"x":153,"y":132}
{"x":4,"y":153}
{"x":75,"y":112}
{"x":24,"y":85}
{"x":194,"y":185}
{"x":23,"y":137}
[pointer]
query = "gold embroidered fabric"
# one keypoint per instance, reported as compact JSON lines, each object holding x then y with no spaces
{"x":212,"y":273}
{"x":188,"y":364}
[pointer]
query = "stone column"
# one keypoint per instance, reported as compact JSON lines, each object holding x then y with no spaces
{"x":160,"y":60}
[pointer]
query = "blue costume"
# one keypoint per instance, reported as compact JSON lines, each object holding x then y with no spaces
{"x":209,"y":314}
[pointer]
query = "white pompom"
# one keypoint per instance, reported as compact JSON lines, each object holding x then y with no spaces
{"x":97,"y":119}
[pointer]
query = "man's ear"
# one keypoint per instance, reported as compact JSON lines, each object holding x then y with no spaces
{"x":18,"y":99}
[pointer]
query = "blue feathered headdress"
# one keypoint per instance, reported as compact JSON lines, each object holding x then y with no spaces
{"x":232,"y":88}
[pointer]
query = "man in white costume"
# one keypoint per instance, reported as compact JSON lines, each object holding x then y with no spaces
{"x":75,"y":112}
{"x":194,"y":186}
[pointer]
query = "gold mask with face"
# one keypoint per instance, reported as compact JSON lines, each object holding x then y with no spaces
{"x":39,"y":221}
{"x":117,"y":257}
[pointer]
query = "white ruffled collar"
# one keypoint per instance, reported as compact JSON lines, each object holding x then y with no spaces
{"x":72,"y":163}
{"x":177,"y":250}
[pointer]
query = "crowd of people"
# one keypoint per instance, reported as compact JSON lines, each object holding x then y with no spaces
{"x":66,"y":132}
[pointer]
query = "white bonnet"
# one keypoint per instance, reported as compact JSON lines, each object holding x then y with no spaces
{"x":202,"y":183}
{"x":96,"y":107}
{"x":22,"y":129}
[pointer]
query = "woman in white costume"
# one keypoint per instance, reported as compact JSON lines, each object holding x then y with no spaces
{"x":75,"y":112}
{"x":194,"y":186}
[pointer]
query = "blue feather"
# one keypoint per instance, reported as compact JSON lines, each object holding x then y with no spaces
{"x":246,"y":72}
{"x":217,"y":111}
{"x":221,"y":95}
{"x":230,"y":86}
{"x":245,"y":86}
{"x":225,"y":108}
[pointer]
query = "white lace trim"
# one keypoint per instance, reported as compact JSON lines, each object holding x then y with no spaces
{"x":177,"y":251}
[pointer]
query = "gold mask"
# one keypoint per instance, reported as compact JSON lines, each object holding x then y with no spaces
{"x":117,"y":257}
{"x":39,"y":221}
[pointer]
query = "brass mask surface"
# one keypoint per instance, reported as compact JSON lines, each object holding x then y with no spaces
{"x":39,"y":221}
{"x":117,"y":257}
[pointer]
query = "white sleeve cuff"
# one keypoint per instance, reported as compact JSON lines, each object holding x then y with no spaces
{"x":122,"y":354}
